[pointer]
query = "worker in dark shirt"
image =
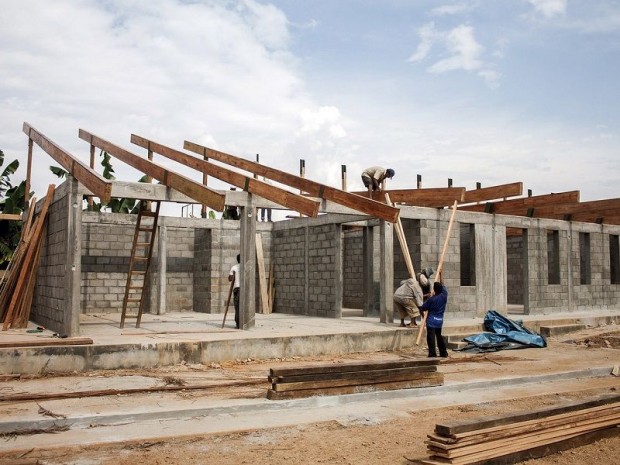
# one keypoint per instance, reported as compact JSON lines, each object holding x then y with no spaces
{"x":436,"y":307}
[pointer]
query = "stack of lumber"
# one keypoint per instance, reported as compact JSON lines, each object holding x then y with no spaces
{"x":350,"y":378}
{"x":520,"y":436}
{"x":17,"y":289}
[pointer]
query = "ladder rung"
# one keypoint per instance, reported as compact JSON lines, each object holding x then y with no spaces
{"x":140,"y":258}
{"x":137,"y":272}
{"x":146,"y":230}
{"x":143,"y":244}
{"x":134,"y":300}
{"x":147,"y":213}
{"x":136,"y":287}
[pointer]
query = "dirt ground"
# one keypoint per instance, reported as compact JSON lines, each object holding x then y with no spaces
{"x":390,"y":441}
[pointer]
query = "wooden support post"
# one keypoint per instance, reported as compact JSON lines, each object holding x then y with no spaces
{"x":205,"y":181}
{"x":230,"y":292}
{"x":439,"y":268}
{"x":28,"y":173}
{"x":262,"y":278}
{"x":343,"y":171}
{"x":419,"y":181}
{"x":91,"y":199}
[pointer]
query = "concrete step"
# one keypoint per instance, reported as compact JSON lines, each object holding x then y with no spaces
{"x":556,"y":330}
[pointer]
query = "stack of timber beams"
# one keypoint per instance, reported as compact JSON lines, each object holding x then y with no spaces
{"x":524,"y":435}
{"x":351,"y":378}
{"x":17,"y":289}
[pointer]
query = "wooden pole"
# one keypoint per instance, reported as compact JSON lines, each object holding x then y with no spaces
{"x":230,"y":291}
{"x":439,"y":267}
{"x":343,"y":175}
{"x":400,"y":233}
{"x":28,"y":173}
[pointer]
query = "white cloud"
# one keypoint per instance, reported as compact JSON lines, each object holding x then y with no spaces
{"x":549,"y":8}
{"x":463,"y":50}
{"x":453,"y":9}
{"x":211,"y":71}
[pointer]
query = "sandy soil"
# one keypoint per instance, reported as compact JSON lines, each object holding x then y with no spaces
{"x":391,"y":441}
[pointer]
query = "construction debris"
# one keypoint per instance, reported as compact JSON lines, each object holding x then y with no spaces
{"x":349,"y":378}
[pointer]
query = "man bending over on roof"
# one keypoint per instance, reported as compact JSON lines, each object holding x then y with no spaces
{"x":373,"y":177}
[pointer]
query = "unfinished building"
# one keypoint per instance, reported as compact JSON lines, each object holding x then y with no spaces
{"x":507,"y":252}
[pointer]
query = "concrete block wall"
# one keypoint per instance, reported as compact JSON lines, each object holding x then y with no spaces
{"x":290,"y":258}
{"x":50,"y":302}
{"x":592,"y":294}
{"x":180,"y":269}
{"x":514,"y":256}
{"x":324,"y":244}
{"x":545,"y":298}
{"x":353,"y":256}
{"x":202,"y":266}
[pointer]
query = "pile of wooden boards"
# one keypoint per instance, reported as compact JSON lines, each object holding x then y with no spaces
{"x":524,"y":435}
{"x":17,"y":288}
{"x":350,"y":378}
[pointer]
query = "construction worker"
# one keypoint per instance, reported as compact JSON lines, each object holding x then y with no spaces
{"x":233,"y":276}
{"x":408,"y":300}
{"x":436,"y":307}
{"x":374,"y":176}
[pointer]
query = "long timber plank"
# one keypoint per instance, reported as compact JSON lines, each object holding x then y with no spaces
{"x":454,"y":428}
{"x":351,"y":375}
{"x":352,"y":366}
{"x":362,"y":379}
{"x":436,"y":379}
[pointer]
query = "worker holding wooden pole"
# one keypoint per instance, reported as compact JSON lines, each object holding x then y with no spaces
{"x":437,"y":303}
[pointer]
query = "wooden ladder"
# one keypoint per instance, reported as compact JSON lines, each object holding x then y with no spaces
{"x":139,"y":263}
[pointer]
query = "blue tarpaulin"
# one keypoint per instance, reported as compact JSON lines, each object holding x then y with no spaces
{"x":503,"y":333}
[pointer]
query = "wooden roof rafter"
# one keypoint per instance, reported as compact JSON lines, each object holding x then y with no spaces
{"x":192,"y":189}
{"x":434,"y":197}
{"x":524,"y":206}
{"x":313,"y":188}
{"x":96,"y":183}
{"x":292,"y":201}
{"x":501,"y":191}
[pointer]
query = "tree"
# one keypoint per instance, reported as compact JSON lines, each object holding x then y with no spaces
{"x":11,"y":202}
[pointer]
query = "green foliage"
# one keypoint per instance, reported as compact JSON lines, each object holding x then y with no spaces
{"x":11,"y":202}
{"x":122,"y":205}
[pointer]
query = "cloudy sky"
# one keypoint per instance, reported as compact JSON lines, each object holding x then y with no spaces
{"x":476,"y":91}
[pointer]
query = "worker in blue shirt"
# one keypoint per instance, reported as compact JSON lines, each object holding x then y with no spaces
{"x":436,"y":306}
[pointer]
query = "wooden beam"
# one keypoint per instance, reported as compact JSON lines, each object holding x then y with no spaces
{"x":96,"y":183}
{"x":493,"y":192}
{"x":599,"y":207}
{"x":520,"y":206}
{"x":312,"y":188}
{"x":169,"y":178}
{"x":10,"y":217}
{"x":435,"y":197}
{"x":299,"y":203}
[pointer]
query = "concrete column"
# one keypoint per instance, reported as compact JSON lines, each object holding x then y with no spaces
{"x":162,"y":264}
{"x":247,"y":296}
{"x":490,"y":250}
{"x":367,"y":266}
{"x":73,"y":260}
{"x":338,"y":272}
{"x":570,"y":263}
{"x":386,"y":305}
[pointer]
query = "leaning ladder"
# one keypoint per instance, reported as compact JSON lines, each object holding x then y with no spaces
{"x":139,"y":263}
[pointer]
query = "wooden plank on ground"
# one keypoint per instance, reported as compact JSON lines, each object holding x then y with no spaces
{"x":262,"y":278}
{"x":458,"y":427}
{"x":360,"y":378}
{"x":350,"y":366}
{"x":47,"y":341}
{"x":352,"y":375}
{"x":434,"y":379}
